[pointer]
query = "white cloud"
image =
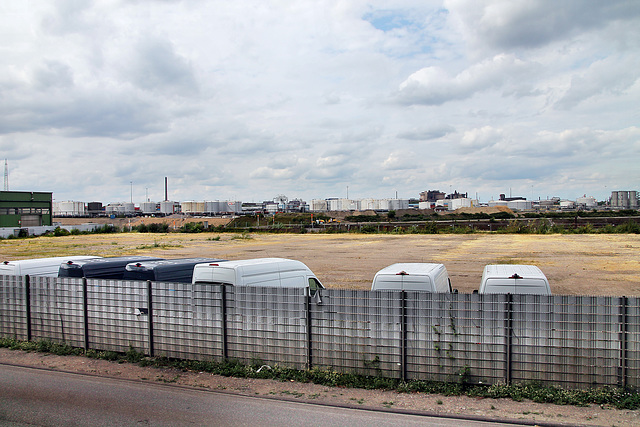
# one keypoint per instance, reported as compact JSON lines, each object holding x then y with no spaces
{"x":434,"y":86}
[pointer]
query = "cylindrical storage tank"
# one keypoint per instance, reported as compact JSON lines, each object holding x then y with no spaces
{"x":128,"y":208}
{"x":519,"y":205}
{"x":319,"y":205}
{"x":148,"y":207}
{"x":189,"y":207}
{"x":68,"y":208}
{"x":94,"y":206}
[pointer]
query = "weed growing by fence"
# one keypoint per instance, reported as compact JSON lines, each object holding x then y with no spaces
{"x":615,"y":397}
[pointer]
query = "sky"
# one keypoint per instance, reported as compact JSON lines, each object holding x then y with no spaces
{"x":247,"y":100}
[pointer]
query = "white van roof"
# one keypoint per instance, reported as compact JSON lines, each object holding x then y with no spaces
{"x":514,"y":278}
{"x":508,"y":270}
{"x":254,"y":261}
{"x":415,"y":268}
{"x":39,"y":266}
{"x":408,"y":276}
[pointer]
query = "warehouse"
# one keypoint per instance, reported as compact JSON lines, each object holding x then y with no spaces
{"x":21,"y":209}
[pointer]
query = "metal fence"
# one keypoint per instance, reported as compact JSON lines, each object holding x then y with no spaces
{"x":571,"y":341}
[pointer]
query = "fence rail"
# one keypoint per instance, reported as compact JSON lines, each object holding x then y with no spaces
{"x":571,"y":341}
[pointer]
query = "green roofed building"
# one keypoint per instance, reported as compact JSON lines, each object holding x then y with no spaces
{"x":21,"y":209}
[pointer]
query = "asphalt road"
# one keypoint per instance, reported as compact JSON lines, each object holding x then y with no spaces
{"x":47,"y":398}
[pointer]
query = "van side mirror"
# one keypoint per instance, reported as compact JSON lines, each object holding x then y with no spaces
{"x":475,"y":291}
{"x":317,"y":298}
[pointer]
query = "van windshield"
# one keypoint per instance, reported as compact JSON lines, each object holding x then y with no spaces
{"x":314,"y":285}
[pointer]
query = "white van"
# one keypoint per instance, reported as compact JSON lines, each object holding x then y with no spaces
{"x":274,"y":272}
{"x":413,"y":277}
{"x":513,"y":279}
{"x":38,"y":266}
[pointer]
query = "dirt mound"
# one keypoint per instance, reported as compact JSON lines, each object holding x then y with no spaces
{"x":485,"y":210}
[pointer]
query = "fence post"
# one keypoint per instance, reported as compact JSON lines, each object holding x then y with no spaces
{"x":150,"y":316}
{"x":309,"y":349}
{"x":509,"y":338}
{"x":622,"y":371}
{"x":27,"y":302}
{"x":223,"y":320}
{"x":85,"y":312}
{"x":403,"y":335}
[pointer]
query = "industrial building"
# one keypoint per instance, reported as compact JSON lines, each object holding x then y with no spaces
{"x":22,"y":209}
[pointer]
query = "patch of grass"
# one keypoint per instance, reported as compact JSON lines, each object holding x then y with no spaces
{"x":244,"y":236}
{"x":157,"y":245}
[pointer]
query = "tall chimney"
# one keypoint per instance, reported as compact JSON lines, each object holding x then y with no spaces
{"x":166,"y":196}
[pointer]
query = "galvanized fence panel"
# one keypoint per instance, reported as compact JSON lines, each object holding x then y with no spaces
{"x":187,"y":321}
{"x":358,"y":331}
{"x":267,"y":325}
{"x":456,"y":337}
{"x":115,"y":315}
{"x":569,"y":341}
{"x":630,"y":368}
{"x":572,"y":341}
{"x":13,"y":319}
{"x":57,"y":310}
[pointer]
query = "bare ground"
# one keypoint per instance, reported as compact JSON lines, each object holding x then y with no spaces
{"x":585,"y":264}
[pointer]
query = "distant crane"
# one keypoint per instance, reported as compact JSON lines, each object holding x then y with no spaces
{"x":6,"y":175}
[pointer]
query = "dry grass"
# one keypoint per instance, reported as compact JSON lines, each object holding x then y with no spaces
{"x":575,"y":264}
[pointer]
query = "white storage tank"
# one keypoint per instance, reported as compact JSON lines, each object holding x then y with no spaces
{"x":68,"y":208}
{"x":148,"y":207}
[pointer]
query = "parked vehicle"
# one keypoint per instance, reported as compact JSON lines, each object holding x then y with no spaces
{"x":413,"y":277}
{"x":102,"y":268}
{"x":513,"y":279}
{"x":169,"y":270}
{"x":39,"y":266}
{"x":274,"y":272}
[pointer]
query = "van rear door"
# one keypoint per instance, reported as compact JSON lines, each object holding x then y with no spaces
{"x":500,"y":286}
{"x":416,"y":282}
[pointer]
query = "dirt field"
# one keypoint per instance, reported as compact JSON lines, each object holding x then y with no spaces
{"x":575,"y":264}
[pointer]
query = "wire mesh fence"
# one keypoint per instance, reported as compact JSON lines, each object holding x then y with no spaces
{"x":570,"y":341}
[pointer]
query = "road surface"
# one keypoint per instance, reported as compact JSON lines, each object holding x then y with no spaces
{"x":31,"y":396}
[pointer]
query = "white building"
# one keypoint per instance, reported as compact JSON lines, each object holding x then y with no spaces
{"x":567,"y":204}
{"x":587,"y":202}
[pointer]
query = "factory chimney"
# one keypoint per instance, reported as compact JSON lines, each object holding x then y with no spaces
{"x":166,"y":196}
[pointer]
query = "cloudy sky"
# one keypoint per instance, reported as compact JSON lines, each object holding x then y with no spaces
{"x":246,"y":100}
